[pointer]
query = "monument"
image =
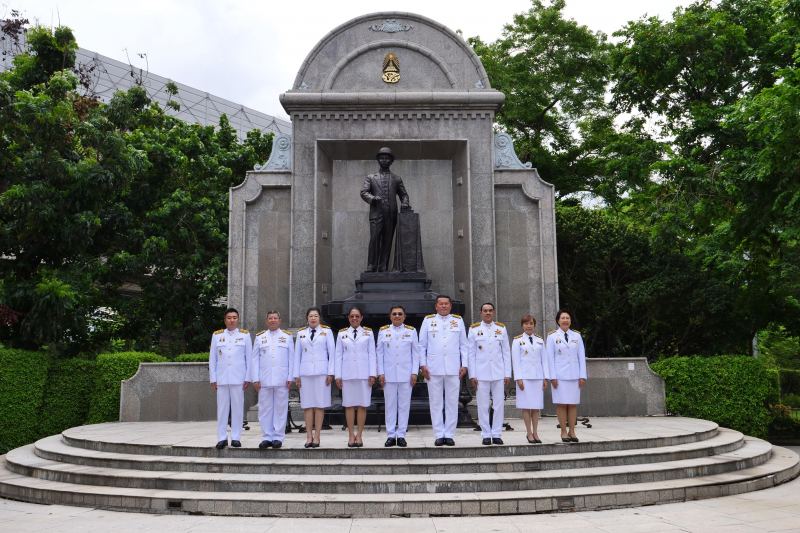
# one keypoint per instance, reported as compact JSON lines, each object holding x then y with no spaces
{"x":483,"y":221}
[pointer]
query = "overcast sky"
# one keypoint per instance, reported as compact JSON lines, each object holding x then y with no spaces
{"x":249,"y":51}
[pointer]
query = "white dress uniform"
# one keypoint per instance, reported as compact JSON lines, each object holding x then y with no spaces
{"x":566,"y":360}
{"x":490,"y":364}
{"x":398,"y":360}
{"x":444,"y":349}
{"x":313,"y":363}
{"x":229,"y":364}
{"x":529,"y":359}
{"x":355,"y":364}
{"x":273,"y":354}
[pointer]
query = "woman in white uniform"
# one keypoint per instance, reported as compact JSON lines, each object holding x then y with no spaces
{"x":313,"y":372}
{"x":566,"y":361}
{"x":530,"y":372}
{"x":356,"y":369}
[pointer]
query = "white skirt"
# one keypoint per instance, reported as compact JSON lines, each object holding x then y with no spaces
{"x":314,"y":392}
{"x":356,"y":393}
{"x":533,"y":395}
{"x":568,"y":392}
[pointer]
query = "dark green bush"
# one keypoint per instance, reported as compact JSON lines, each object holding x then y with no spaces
{"x":192,"y":358}
{"x":112,"y":368}
{"x":774,"y":396}
{"x":792,"y":400}
{"x":732,"y":391}
{"x":67,"y":395}
{"x":790,"y":381}
{"x":22,"y":378}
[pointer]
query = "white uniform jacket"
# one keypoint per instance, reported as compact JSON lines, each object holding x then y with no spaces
{"x":273,"y":358}
{"x":314,"y":358}
{"x":355,"y":357}
{"x":443,"y":344}
{"x":566,"y":358}
{"x":230,"y":357}
{"x":489,"y":352}
{"x":530,"y":361}
{"x":398,"y":353}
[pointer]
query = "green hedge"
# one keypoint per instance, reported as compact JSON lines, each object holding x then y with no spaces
{"x":22,"y":378}
{"x":790,"y":381}
{"x":774,"y":396}
{"x":67,"y":395}
{"x":192,"y":358}
{"x":112,"y":368}
{"x":732,"y":391}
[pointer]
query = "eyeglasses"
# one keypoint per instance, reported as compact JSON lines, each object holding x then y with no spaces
{"x":398,"y":314}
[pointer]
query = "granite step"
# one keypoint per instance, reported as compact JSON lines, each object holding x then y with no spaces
{"x":24,"y":461}
{"x":268,"y":462}
{"x":782,"y":466}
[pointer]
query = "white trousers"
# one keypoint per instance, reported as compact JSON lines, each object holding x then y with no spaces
{"x":398,"y":402}
{"x":273,"y":408}
{"x":230,"y":398}
{"x":449,"y":386}
{"x":497,"y":390}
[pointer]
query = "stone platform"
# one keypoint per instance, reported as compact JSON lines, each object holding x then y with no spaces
{"x":162,"y":467}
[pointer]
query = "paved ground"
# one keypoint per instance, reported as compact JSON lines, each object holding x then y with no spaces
{"x":776,"y":509}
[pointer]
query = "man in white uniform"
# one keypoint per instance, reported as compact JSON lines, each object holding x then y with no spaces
{"x":229,"y":362}
{"x":489,"y":371}
{"x":398,"y":365}
{"x":444,"y":352}
{"x":273,"y":363}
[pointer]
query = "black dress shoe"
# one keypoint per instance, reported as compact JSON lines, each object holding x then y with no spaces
{"x":449,"y":442}
{"x":265,"y":444}
{"x":221,"y":444}
{"x":277,"y":444}
{"x":351,"y":444}
{"x":497,"y":440}
{"x":537,"y":441}
{"x":574,"y":439}
{"x":359,"y":444}
{"x":439,"y":442}
{"x":487,"y":442}
{"x":315,"y":445}
{"x":530,"y":441}
{"x":391,"y":441}
{"x":236,"y":444}
{"x":401,"y":442}
{"x":566,"y":439}
{"x":307,"y":445}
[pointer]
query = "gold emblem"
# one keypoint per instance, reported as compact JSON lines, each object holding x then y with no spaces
{"x":391,"y":68}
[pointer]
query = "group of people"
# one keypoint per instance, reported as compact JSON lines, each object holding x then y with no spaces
{"x":444,"y":351}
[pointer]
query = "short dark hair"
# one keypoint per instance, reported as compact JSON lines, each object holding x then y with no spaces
{"x":357,"y":308}
{"x":527,"y":318}
{"x":398,"y":307}
{"x":445,"y":297}
{"x":230,"y":310}
{"x":487,"y":303}
{"x":313,"y":309}
{"x":273,"y":313}
{"x":561,"y":312}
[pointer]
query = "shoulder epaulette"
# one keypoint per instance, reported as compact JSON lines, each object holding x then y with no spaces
{"x":500,"y":324}
{"x":384,"y":327}
{"x":551,"y":332}
{"x":475,"y":325}
{"x":243,"y":331}
{"x":408,"y":327}
{"x":326,"y":327}
{"x":577,"y":331}
{"x":260,"y":332}
{"x":518,"y":336}
{"x":283,"y":330}
{"x":537,"y":335}
{"x":343,"y":329}
{"x":218,"y":331}
{"x":431,"y":316}
{"x":457,"y":316}
{"x":366,"y":328}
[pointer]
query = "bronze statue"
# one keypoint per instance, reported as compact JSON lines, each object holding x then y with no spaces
{"x":380,"y":191}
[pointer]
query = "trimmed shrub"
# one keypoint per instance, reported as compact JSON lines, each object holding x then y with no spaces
{"x":22,"y":378}
{"x":67,"y":395}
{"x":790,"y":381}
{"x":732,"y":391}
{"x":774,"y":396}
{"x":192,"y":358}
{"x":112,"y":368}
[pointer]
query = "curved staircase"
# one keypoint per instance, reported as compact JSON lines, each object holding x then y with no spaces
{"x":169,"y":468}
